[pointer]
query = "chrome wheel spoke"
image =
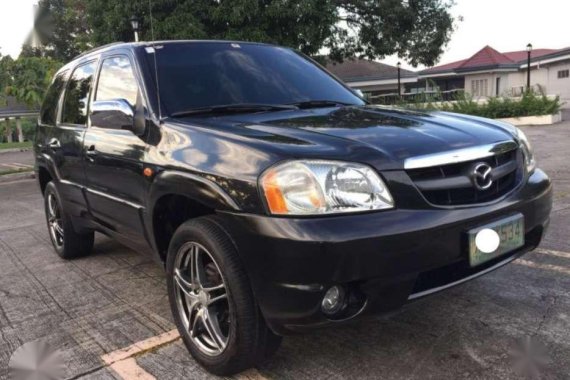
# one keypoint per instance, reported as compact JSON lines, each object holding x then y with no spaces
{"x":197,"y":267}
{"x":183,"y":282}
{"x":57,"y":227}
{"x":218,"y":298}
{"x":52,"y":207}
{"x":55,"y":222}
{"x":194,"y":326}
{"x":212,"y":327}
{"x":202,"y":298}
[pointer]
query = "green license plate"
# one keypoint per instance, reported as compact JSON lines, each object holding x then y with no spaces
{"x":511,"y":233}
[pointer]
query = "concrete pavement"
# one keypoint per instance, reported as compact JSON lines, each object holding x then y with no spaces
{"x":16,"y":160}
{"x":116,"y":298}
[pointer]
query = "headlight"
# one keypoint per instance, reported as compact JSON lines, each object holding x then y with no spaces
{"x":323,"y":187}
{"x":530,"y":162}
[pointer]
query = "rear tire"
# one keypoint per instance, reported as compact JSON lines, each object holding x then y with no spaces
{"x":66,"y":241}
{"x":243,"y":336}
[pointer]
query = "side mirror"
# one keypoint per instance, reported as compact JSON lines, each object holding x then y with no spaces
{"x":112,"y":114}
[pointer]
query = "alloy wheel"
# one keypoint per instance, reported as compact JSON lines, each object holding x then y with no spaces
{"x":202,"y":298}
{"x":55,"y":221}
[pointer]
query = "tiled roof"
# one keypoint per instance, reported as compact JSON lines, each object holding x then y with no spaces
{"x":519,"y":56}
{"x":364,"y":70}
{"x":486,"y":57}
{"x":489,"y":57}
{"x":9,"y":106}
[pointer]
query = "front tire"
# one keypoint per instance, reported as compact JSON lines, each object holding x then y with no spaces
{"x":212,"y":302}
{"x":66,"y":241}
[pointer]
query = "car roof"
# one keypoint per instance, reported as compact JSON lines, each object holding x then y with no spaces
{"x":85,"y":56}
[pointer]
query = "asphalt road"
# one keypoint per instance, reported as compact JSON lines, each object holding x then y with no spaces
{"x":116,"y":298}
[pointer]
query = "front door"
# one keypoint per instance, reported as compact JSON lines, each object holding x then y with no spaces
{"x":116,"y":186}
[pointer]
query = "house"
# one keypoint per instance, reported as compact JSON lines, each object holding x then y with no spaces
{"x":11,"y":109}
{"x":492,"y":73}
{"x":371,"y":77}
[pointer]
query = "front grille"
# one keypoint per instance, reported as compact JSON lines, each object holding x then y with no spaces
{"x":450,"y":185}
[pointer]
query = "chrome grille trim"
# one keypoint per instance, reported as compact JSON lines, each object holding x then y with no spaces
{"x":459,"y":155}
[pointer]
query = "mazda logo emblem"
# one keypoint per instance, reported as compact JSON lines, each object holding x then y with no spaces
{"x":481,"y":175}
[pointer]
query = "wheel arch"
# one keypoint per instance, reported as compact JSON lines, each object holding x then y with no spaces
{"x":176,"y":197}
{"x":46,"y":171}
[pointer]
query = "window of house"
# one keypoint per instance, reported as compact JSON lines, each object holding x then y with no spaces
{"x":479,"y":87}
{"x":77,"y":95}
{"x":563,"y":74}
{"x":117,"y":81}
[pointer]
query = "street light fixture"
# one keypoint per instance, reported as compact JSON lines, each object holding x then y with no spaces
{"x":135,"y":23}
{"x":528,"y":50}
{"x":399,"y":65}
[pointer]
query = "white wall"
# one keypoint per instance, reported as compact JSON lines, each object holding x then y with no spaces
{"x":546,"y":77}
{"x":555,"y":86}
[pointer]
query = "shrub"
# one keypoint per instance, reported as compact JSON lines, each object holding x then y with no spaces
{"x":530,"y":104}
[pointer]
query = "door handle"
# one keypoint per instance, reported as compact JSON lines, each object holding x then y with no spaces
{"x":91,"y":152}
{"x":54,"y":144}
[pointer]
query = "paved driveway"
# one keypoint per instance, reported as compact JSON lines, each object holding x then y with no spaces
{"x":116,"y":298}
{"x":11,"y":161}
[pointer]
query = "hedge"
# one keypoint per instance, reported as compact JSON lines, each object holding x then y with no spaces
{"x":530,"y":104}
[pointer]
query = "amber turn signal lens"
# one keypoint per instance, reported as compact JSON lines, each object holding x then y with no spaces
{"x":273,"y":195}
{"x":148,"y":172}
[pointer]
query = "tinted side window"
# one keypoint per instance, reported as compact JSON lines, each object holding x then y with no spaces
{"x":48,"y":113}
{"x":117,"y":81}
{"x":77,"y":94}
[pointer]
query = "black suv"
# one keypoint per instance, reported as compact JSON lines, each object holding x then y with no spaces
{"x":277,"y":199}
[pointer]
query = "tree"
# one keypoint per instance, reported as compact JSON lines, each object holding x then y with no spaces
{"x":61,"y":29}
{"x":6,"y":63}
{"x":416,"y":30}
{"x":29,"y":78}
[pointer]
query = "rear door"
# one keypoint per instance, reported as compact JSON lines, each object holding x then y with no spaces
{"x":47,"y":122}
{"x":116,"y":186}
{"x":65,"y":143}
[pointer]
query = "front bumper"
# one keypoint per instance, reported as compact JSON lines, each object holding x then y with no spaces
{"x":389,"y":257}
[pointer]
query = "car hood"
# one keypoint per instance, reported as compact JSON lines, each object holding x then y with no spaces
{"x":393,"y":134}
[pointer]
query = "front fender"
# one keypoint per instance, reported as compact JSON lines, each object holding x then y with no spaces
{"x":192,"y":186}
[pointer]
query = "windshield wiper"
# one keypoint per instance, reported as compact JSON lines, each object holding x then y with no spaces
{"x":235,"y":108}
{"x":320,"y":103}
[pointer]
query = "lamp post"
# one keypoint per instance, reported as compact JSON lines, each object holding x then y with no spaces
{"x":135,"y":23}
{"x":528,"y":51}
{"x":399,"y":65}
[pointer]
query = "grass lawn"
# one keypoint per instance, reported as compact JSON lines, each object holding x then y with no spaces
{"x":14,"y":145}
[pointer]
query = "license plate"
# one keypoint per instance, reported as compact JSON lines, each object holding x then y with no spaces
{"x":511,"y":234}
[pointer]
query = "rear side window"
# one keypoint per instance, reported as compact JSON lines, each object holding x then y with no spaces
{"x":48,"y":113}
{"x":117,"y":81}
{"x":77,"y":95}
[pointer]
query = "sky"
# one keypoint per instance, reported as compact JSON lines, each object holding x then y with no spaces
{"x":506,"y":25}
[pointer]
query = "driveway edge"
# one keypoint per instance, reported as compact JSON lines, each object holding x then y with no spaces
{"x":7,"y":178}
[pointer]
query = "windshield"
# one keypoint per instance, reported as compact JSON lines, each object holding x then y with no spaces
{"x":205,"y":74}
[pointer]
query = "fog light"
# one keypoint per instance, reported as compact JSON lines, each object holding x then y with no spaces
{"x":333,"y":301}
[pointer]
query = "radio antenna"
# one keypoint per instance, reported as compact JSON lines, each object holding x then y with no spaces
{"x":155,"y":52}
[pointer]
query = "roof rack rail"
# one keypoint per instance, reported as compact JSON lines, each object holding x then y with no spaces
{"x":97,"y":48}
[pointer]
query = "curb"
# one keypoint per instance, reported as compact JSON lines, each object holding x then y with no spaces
{"x":7,"y":178}
{"x":14,"y":150}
